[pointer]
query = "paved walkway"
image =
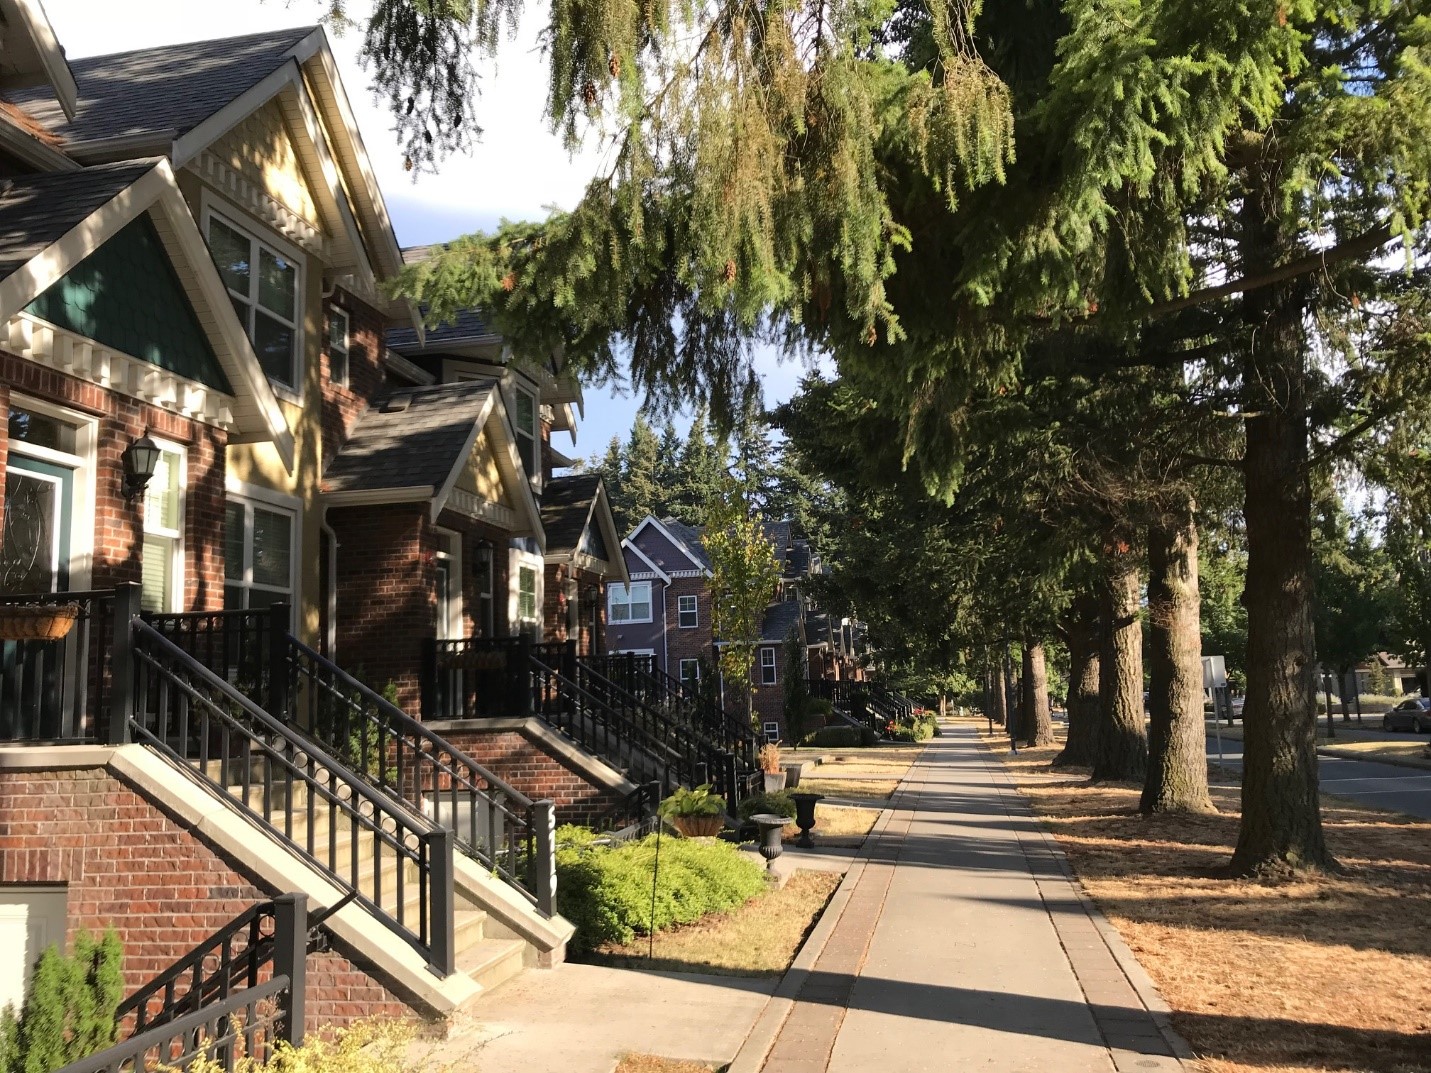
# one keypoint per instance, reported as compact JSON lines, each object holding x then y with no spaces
{"x":962,"y":944}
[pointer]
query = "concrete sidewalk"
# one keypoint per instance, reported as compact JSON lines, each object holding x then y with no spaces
{"x":963,"y":943}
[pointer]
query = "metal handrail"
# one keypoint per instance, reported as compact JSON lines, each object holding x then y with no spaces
{"x":211,"y":713}
{"x":404,"y":758}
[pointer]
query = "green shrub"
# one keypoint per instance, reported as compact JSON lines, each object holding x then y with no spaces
{"x":823,"y":708}
{"x":698,"y":802}
{"x":839,"y":737}
{"x":68,"y":1012}
{"x":605,"y":889}
{"x":780,"y":803}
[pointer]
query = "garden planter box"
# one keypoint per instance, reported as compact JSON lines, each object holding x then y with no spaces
{"x":774,"y":783}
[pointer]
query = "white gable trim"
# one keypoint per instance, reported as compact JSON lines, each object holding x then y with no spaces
{"x":464,"y":458}
{"x":257,"y":415}
{"x":47,"y":47}
{"x":669,"y":537}
{"x":656,"y":571}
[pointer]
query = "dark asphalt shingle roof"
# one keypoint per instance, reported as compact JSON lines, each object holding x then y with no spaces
{"x":151,"y":90}
{"x":38,"y":210}
{"x":780,"y":619}
{"x":416,"y":446}
{"x":817,"y":628}
{"x":566,"y":506}
{"x":690,"y":538}
{"x":467,"y":327}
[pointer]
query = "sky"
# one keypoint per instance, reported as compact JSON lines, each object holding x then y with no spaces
{"x":518,"y":170}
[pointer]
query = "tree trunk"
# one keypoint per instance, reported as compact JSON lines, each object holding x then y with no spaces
{"x":998,"y":697}
{"x":1082,"y":685}
{"x":1122,"y":750}
{"x":1281,"y":825}
{"x":1037,"y":722}
{"x":1011,"y":694}
{"x":1177,"y":736}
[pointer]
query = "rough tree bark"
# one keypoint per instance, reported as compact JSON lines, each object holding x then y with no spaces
{"x":1281,"y":827}
{"x":1177,"y":736}
{"x":1011,"y":693}
{"x":1122,"y":749}
{"x":1036,"y":726}
{"x":1083,"y":664}
{"x":998,"y":696}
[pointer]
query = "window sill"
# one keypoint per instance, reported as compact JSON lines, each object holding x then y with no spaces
{"x":286,"y":393}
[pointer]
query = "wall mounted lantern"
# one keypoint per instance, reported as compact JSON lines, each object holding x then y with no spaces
{"x":141,"y":459}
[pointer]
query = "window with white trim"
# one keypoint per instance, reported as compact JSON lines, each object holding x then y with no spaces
{"x":687,"y":614}
{"x":628,"y":603}
{"x":524,"y":421}
{"x":338,"y":346}
{"x":264,"y":286}
{"x":690,"y":671}
{"x":767,"y":666}
{"x":258,"y":555}
{"x":162,"y":564}
{"x":527,"y":600}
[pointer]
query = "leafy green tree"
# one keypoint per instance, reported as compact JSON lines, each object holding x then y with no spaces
{"x":1408,"y":545}
{"x":641,"y":489}
{"x":797,"y":687}
{"x":1356,"y":596}
{"x":744,"y":577}
{"x":69,"y":1008}
{"x":698,"y":471}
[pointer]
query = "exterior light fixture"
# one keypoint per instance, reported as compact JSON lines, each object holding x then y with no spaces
{"x":141,"y":459}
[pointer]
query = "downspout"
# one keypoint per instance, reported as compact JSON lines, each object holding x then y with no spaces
{"x":665,"y":637}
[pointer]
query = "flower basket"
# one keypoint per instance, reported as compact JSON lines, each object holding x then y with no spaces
{"x":37,"y":622}
{"x":698,"y":826}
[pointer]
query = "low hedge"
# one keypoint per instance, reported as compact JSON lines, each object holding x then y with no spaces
{"x":605,"y":889}
{"x":779,"y":803}
{"x":923,"y":727}
{"x":841,"y":737}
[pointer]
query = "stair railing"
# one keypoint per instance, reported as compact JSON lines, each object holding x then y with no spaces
{"x":494,"y":823}
{"x":203,"y":723}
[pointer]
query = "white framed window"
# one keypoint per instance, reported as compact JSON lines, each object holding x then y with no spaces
{"x":259,"y":554}
{"x":162,"y":565}
{"x":526,"y":595}
{"x":628,"y":603}
{"x":767,"y":666}
{"x":338,"y":329}
{"x":47,"y":530}
{"x":687,"y":613}
{"x":265,"y":286}
{"x":689,"y":671}
{"x":524,"y":422}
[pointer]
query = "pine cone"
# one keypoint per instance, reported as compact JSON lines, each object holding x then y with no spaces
{"x":588,"y":93}
{"x":615,"y":65}
{"x":730,"y":271}
{"x":509,"y":282}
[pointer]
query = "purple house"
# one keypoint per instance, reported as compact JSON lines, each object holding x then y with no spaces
{"x":665,"y":611}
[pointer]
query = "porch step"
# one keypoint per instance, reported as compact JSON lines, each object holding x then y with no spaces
{"x":491,"y":962}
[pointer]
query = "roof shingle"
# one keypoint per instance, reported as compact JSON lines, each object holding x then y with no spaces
{"x":566,"y":507}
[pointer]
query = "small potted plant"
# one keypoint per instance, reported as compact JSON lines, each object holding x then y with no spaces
{"x":770,"y":765}
{"x":697,"y":813}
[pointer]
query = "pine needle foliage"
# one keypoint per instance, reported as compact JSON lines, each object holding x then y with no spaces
{"x":68,"y":1013}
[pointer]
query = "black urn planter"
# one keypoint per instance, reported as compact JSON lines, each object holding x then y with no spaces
{"x":770,"y":828}
{"x":805,"y":817}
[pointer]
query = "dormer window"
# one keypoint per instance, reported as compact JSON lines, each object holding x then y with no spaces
{"x":525,"y":422}
{"x":263,"y":284}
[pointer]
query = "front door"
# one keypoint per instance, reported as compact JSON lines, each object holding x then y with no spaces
{"x":35,"y":540}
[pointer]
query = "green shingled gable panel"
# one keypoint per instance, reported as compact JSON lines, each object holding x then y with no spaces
{"x":126,"y":295}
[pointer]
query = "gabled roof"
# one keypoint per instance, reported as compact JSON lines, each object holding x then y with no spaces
{"x":780,"y":619}
{"x":570,"y":506}
{"x":685,"y":539}
{"x":32,"y":55}
{"x":467,"y":329}
{"x":645,"y":560}
{"x":162,"y":93}
{"x":412,"y":444}
{"x":50,"y":222}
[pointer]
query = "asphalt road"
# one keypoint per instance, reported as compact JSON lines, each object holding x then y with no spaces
{"x":1402,"y":789}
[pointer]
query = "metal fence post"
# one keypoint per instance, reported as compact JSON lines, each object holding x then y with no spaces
{"x":428,"y":683}
{"x":544,"y":816}
{"x":290,"y":958}
{"x":279,"y":618}
{"x":121,"y":665}
{"x":444,"y":934}
{"x":519,"y":676}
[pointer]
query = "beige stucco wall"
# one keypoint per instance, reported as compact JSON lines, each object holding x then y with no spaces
{"x":482,"y":475}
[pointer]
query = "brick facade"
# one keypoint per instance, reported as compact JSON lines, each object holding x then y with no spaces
{"x":126,"y":864}
{"x":556,"y":613}
{"x":118,"y":524}
{"x":535,"y":772}
{"x":688,"y":643}
{"x":343,"y":405}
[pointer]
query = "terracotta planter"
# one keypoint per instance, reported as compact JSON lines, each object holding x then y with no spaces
{"x":698,"y":826}
{"x":775,"y":782}
{"x":37,"y":622}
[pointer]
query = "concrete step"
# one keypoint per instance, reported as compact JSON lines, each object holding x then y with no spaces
{"x":491,"y":962}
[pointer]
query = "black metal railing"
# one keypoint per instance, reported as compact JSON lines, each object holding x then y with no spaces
{"x":503,"y":829}
{"x":298,"y":791}
{"x":61,"y":691}
{"x":234,"y":957}
{"x":634,"y":816}
{"x":240,"y":646}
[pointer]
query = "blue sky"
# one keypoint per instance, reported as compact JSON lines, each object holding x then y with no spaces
{"x":518,"y":170}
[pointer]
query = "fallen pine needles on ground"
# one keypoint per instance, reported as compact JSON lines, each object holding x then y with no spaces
{"x":1317,"y":974}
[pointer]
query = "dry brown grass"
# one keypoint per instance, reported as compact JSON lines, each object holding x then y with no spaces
{"x":650,"y":1063}
{"x":1321,"y":974}
{"x":852,"y":789}
{"x":759,"y":939}
{"x":837,"y":825}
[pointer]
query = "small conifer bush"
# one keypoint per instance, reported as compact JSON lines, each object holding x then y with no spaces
{"x":68,"y":1013}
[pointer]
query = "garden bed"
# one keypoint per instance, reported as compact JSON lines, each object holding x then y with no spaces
{"x":759,"y":939}
{"x":837,"y":825}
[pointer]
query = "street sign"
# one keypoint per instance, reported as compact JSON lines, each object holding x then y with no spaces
{"x":1214,"y":672}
